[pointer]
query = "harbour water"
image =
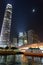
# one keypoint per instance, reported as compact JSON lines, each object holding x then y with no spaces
{"x":17,"y":60}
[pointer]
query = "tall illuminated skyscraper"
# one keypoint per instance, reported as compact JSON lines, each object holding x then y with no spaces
{"x":5,"y":31}
{"x":20,"y":39}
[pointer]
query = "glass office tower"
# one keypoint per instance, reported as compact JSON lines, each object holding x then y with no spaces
{"x":5,"y":31}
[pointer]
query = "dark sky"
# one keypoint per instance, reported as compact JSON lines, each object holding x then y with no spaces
{"x":23,"y":19}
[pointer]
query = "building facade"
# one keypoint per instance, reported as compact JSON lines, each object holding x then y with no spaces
{"x":5,"y":31}
{"x":15,"y":42}
{"x":32,"y":37}
{"x":20,"y":38}
{"x":25,"y":38}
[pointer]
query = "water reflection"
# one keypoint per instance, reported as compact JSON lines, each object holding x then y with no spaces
{"x":20,"y":60}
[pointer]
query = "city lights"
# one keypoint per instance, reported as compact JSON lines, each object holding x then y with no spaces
{"x":21,"y":32}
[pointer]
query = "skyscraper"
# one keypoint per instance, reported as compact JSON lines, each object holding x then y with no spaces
{"x":5,"y":31}
{"x":20,"y":39}
{"x":25,"y":38}
{"x":15,"y":41}
{"x":32,"y":37}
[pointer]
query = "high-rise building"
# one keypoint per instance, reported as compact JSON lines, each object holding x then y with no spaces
{"x":5,"y":31}
{"x":20,"y":39}
{"x":25,"y":37}
{"x":15,"y":41}
{"x":32,"y":37}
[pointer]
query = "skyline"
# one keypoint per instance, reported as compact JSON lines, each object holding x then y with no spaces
{"x":23,"y":18}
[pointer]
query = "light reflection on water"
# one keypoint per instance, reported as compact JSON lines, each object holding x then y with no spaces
{"x":16,"y":60}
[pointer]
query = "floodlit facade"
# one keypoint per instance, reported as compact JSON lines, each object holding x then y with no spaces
{"x":20,"y":39}
{"x":5,"y":31}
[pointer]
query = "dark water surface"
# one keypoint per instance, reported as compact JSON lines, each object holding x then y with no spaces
{"x":16,"y":60}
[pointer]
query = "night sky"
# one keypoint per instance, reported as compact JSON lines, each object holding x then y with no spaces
{"x":27,"y":14}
